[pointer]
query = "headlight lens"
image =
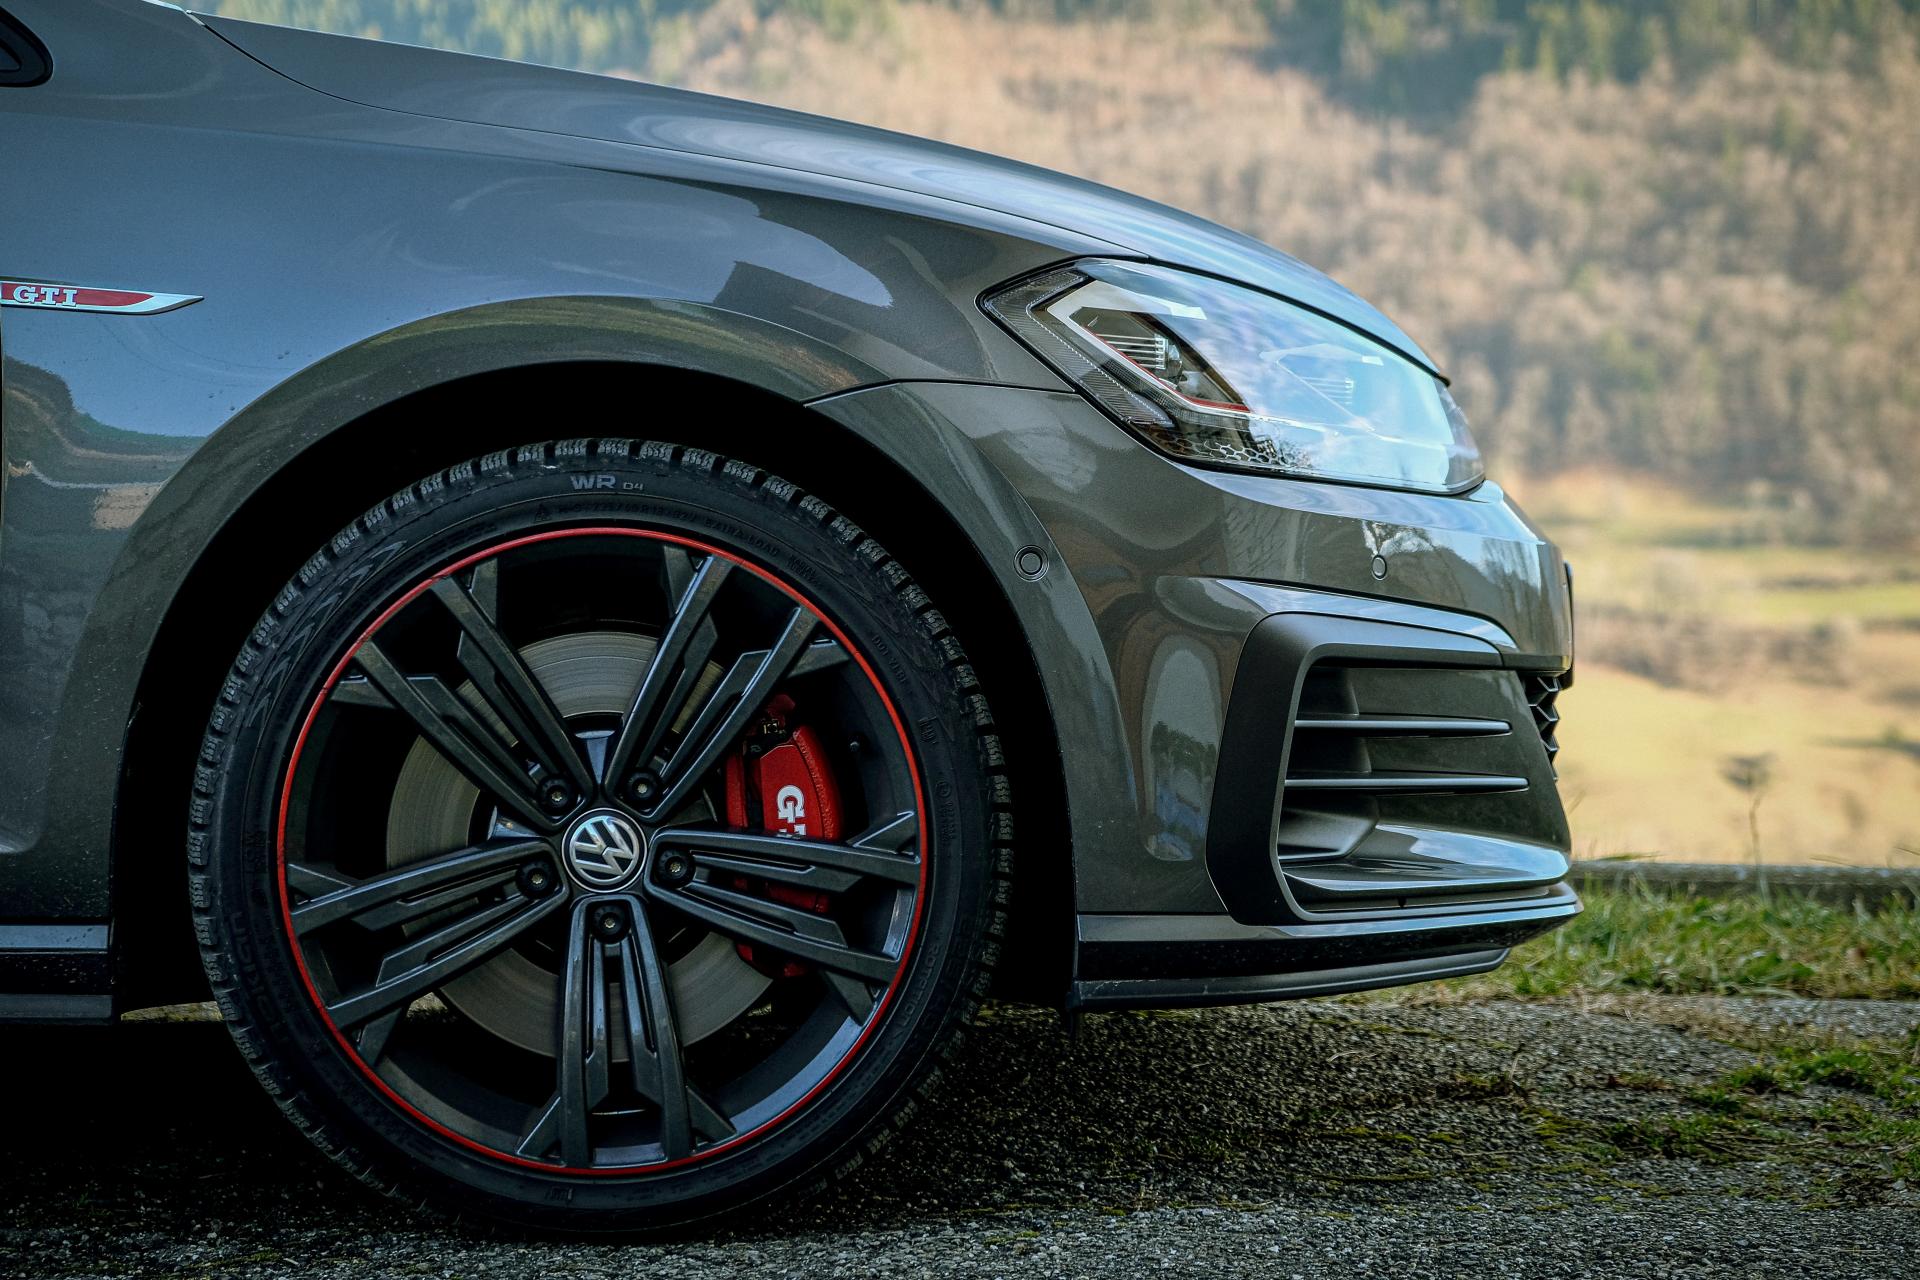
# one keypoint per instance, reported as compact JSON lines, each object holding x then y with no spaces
{"x":1225,"y":376}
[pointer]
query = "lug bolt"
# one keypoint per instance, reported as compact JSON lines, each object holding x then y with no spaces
{"x":608,"y":923}
{"x":643,"y":785}
{"x":537,"y":879}
{"x":556,"y":796}
{"x":676,"y":868}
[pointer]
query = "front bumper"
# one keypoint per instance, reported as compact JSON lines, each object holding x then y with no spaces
{"x":1297,"y":720}
{"x":1383,"y":811}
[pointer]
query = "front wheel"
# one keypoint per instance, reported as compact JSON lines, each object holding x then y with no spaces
{"x":598,"y":836}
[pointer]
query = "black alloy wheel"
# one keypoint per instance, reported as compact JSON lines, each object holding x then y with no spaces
{"x":598,"y":836}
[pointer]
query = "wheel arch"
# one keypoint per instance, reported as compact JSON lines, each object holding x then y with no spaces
{"x":384,"y":447}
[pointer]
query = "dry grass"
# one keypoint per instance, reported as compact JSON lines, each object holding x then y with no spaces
{"x":1704,"y":638}
{"x":1642,"y":771}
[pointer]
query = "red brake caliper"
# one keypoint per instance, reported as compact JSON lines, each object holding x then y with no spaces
{"x":779,"y":782}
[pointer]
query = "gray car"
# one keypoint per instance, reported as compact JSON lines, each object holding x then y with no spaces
{"x":600,"y":622}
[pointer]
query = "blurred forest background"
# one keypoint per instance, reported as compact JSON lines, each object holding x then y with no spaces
{"x":1670,"y":253}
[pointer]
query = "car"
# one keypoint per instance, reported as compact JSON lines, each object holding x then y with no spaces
{"x":600,"y":623}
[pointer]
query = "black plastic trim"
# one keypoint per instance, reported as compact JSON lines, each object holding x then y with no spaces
{"x":88,"y":1010}
{"x":1176,"y":993}
{"x":1383,"y":726}
{"x":1168,"y":950}
{"x":1385,"y":782}
{"x":56,"y":972}
{"x":32,"y":64}
{"x":1258,"y":736}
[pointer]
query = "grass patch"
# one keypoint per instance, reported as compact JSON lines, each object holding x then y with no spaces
{"x":1862,"y":1138}
{"x":1645,"y":940}
{"x":1886,"y":1138}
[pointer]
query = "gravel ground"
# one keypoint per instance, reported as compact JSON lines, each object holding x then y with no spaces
{"x":1383,"y":1137}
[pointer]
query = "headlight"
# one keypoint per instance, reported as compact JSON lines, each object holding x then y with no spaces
{"x":1224,"y":376}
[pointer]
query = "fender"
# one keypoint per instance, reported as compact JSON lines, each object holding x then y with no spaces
{"x":221,"y":474}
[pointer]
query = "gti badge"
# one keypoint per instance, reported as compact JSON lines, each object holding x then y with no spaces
{"x":604,"y":850}
{"x":66,"y":297}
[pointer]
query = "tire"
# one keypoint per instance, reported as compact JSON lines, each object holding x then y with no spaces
{"x":722,"y":1020}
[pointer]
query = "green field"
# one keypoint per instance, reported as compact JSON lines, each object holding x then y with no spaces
{"x":1702,"y":643}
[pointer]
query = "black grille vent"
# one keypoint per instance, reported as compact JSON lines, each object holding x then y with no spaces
{"x":1333,"y":785}
{"x":1402,"y":775}
{"x":1543,"y":692}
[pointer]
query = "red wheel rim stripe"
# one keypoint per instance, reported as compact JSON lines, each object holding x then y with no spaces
{"x":333,"y":678}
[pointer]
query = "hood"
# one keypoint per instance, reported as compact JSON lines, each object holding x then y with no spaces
{"x":452,"y":86}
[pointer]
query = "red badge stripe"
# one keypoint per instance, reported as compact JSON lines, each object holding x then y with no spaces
{"x":48,"y":296}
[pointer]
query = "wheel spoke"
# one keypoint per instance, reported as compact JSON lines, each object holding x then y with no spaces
{"x":677,"y":663}
{"x":584,"y":1065}
{"x":411,"y":892}
{"x":585,"y":1053}
{"x":653,"y":1044}
{"x":468,"y":742}
{"x":504,"y":683}
{"x":311,"y":882}
{"x":823,"y":654}
{"x":582,"y":1068}
{"x":800,"y":934}
{"x":810,"y":864}
{"x":442,"y":953}
{"x":881,"y":855}
{"x":728,"y":710}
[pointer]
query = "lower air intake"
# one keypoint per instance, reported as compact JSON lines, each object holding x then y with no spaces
{"x":1543,"y":692}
